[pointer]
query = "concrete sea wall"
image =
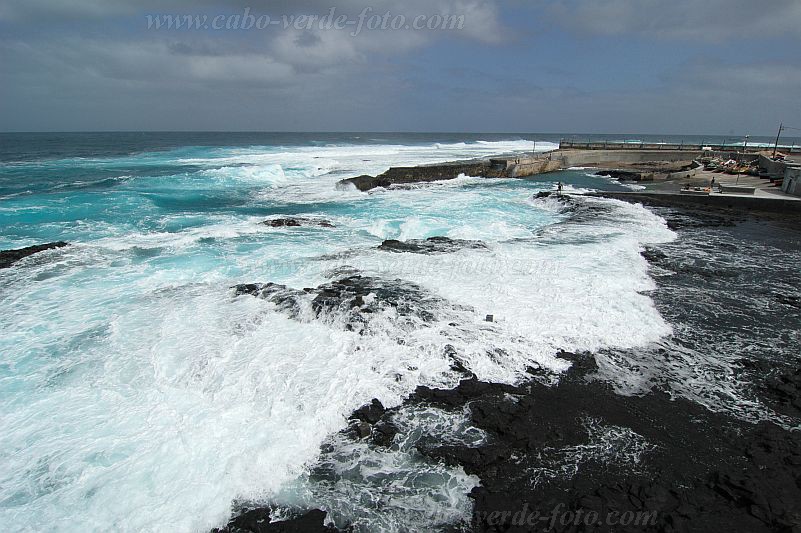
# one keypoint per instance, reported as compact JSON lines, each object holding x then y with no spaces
{"x":792,"y":181}
{"x":580,"y":158}
{"x":739,"y":203}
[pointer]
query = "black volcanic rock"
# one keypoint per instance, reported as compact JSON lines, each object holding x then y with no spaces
{"x":370,"y":413}
{"x":625,"y":175}
{"x":383,"y":433}
{"x":356,"y":298}
{"x":285,"y":298}
{"x":295,"y":222}
{"x":372,"y":421}
{"x":554,"y":194}
{"x":422,"y":174}
{"x":251,"y":520}
{"x":9,"y":257}
{"x":700,"y":471}
{"x":784,"y":391}
{"x":653,"y":255}
{"x":258,"y":521}
{"x":365,"y":183}
{"x":431,"y":245}
{"x":353,"y":292}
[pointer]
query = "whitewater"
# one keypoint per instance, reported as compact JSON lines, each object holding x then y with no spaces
{"x":139,"y":393}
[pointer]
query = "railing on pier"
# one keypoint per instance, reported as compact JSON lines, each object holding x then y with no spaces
{"x":632,"y":145}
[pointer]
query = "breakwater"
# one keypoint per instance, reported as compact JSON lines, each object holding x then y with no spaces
{"x":652,"y":164}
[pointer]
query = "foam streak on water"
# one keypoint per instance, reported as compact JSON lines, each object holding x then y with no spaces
{"x":137,"y":393}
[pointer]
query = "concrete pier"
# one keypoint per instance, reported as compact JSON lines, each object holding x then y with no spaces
{"x":738,"y":202}
{"x":566,"y":144}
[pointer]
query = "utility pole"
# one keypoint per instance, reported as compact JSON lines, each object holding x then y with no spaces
{"x":776,"y":144}
{"x":782,"y":127}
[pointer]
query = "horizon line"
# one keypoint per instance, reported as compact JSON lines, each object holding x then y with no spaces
{"x":325,"y":132}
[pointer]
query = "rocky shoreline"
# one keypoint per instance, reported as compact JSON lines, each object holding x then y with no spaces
{"x":424,"y":173}
{"x":580,"y":456}
{"x":9,"y":257}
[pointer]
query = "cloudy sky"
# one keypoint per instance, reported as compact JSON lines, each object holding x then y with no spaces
{"x":612,"y":66}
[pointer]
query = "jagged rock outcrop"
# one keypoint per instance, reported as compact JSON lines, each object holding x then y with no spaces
{"x":431,"y":245}
{"x":423,"y":173}
{"x":9,"y":257}
{"x":294,"y":222}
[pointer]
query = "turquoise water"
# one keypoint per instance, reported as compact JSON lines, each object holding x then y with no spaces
{"x":137,"y":393}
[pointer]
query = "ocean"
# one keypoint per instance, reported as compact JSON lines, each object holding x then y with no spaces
{"x":139,"y":392}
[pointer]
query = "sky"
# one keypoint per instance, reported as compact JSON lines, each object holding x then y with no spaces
{"x":596,"y":66}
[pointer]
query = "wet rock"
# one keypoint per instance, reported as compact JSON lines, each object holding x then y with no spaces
{"x":581,"y":211}
{"x":783,"y":391}
{"x":354,"y":300}
{"x":457,"y":365}
{"x":255,"y":520}
{"x":372,"y":421}
{"x":294,"y":222}
{"x":653,"y":255}
{"x":432,"y":245}
{"x":473,"y":460}
{"x":365,"y":183}
{"x":367,"y":295}
{"x":702,"y":471}
{"x":9,"y":257}
{"x":421,"y":174}
{"x":258,"y":521}
{"x":383,"y":433}
{"x":624,"y":175}
{"x":286,"y":299}
{"x":362,"y":430}
{"x":564,"y":198}
{"x":370,"y":413}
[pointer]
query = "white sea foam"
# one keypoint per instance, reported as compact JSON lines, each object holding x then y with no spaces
{"x":271,"y":174}
{"x":138,"y":394}
{"x":393,"y":489}
{"x":610,"y":445}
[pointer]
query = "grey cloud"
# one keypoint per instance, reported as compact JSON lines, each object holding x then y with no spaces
{"x":711,"y":20}
{"x":311,"y":80}
{"x":298,"y":50}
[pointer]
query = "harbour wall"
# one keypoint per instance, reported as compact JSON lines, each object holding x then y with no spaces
{"x":580,"y":158}
{"x":718,"y":201}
